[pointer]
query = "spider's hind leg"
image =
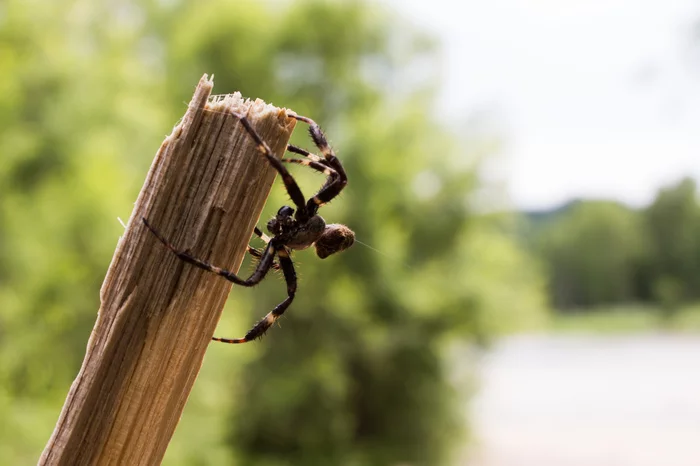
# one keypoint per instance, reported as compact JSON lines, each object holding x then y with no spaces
{"x":266,"y":261}
{"x":266,"y":322}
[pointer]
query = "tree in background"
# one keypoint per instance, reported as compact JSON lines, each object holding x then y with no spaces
{"x":593,"y":250}
{"x":673,"y":223}
{"x":599,"y":253}
{"x":358,"y":374}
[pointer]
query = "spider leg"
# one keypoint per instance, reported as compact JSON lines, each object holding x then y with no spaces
{"x":318,"y":166}
{"x":261,"y":270}
{"x":315,"y":162}
{"x":266,"y":322}
{"x":318,"y":200}
{"x":261,"y":235}
{"x":258,"y":254}
{"x":321,"y":142}
{"x":333,"y":187}
{"x":289,"y":183}
{"x":305,"y":153}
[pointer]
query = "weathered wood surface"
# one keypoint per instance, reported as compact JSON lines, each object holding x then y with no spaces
{"x":205,"y":191}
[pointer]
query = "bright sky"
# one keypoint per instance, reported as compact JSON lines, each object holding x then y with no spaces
{"x":596,"y":98}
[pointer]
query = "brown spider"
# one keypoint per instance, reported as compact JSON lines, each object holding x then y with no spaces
{"x":289,"y":230}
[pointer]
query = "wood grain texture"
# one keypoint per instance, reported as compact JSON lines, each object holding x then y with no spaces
{"x":205,"y":191}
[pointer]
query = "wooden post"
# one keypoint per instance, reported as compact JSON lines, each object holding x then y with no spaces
{"x":205,"y":191}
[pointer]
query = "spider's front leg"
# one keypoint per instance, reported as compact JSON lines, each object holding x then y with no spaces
{"x":337,"y":179}
{"x":313,"y":161}
{"x":266,"y":322}
{"x":289,"y":182}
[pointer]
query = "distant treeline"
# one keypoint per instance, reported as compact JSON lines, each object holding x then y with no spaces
{"x":603,"y":252}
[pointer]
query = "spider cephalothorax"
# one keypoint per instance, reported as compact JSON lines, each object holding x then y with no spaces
{"x":290,"y":229}
{"x":296,"y":234}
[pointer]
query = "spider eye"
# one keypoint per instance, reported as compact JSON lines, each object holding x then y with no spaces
{"x":335,"y":238}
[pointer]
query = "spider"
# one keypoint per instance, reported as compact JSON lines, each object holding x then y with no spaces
{"x":290,"y":230}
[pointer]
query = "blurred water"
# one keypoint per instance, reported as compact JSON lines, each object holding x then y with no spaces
{"x":589,"y":400}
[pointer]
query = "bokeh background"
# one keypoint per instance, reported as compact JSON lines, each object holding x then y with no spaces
{"x":522,"y":176}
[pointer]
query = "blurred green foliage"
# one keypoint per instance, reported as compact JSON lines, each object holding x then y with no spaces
{"x":593,"y":251}
{"x":599,"y":253}
{"x":626,"y":319}
{"x":358,"y":374}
